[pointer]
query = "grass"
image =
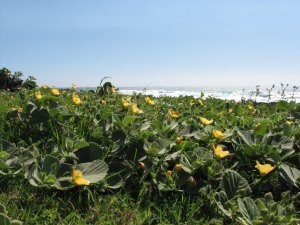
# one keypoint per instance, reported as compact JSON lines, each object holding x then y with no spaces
{"x":35,"y":206}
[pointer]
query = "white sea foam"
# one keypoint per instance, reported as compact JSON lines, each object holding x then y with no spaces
{"x":222,"y":93}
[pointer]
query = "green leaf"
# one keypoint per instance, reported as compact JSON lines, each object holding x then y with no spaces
{"x":279,"y":141}
{"x":263,"y":127}
{"x":163,"y":145}
{"x":222,"y":208}
{"x":8,"y":147}
{"x":79,"y":144}
{"x":287,"y":130}
{"x":50,"y":173}
{"x":248,"y":209}
{"x":97,"y":137}
{"x":290,"y":174}
{"x":3,"y":154}
{"x":4,"y":219}
{"x":115,"y":181}
{"x":15,"y":222}
{"x":50,"y":164}
{"x":282,"y":105}
{"x":2,"y":208}
{"x":128,"y":120}
{"x":49,"y":100}
{"x":89,"y":153}
{"x":145,"y":126}
{"x":117,"y":121}
{"x":94,"y":171}
{"x":246,"y":136}
{"x":39,"y":115}
{"x":234,"y":184}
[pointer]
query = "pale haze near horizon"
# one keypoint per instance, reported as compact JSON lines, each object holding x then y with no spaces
{"x":162,"y":43}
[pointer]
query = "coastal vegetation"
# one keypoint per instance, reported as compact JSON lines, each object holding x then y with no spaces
{"x":100,"y":157}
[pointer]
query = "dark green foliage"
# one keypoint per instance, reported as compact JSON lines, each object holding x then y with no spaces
{"x":12,"y":82}
{"x":30,"y":83}
{"x":9,"y":81}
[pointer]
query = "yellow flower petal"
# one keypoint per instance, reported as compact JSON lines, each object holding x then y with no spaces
{"x":206,"y":121}
{"x":179,"y":140}
{"x":250,"y":106}
{"x":257,"y":126}
{"x":289,"y":122}
{"x":74,"y":86}
{"x":77,"y":178}
{"x":169,"y":173}
{"x":218,"y":134}
{"x":201,"y":102}
{"x":135,"y":109}
{"x":264,"y":169}
{"x":173,"y":114}
{"x":18,"y":109}
{"x":149,"y":101}
{"x":125,"y":102}
{"x":178,"y":167}
{"x":220,"y":153}
{"x":113,"y":89}
{"x":38,"y":95}
{"x":75,"y":98}
{"x":54,"y":91}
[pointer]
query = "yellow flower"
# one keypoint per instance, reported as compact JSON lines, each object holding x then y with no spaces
{"x":173,"y":114}
{"x":125,"y":102}
{"x":77,"y":178}
{"x":169,"y":173}
{"x":113,"y":89}
{"x":289,"y":122}
{"x":18,"y":109}
{"x":54,"y":91}
{"x":44,"y":86}
{"x":74,"y":86}
{"x":201,"y":102}
{"x":250,"y":106}
{"x":220,"y":153}
{"x":149,"y":101}
{"x":264,"y":169}
{"x":218,"y":134}
{"x":206,"y":121}
{"x":38,"y":95}
{"x":179,"y":140}
{"x":178,"y":167}
{"x":76,"y":99}
{"x":103,"y":102}
{"x":230,"y":110}
{"x":135,"y":109}
{"x":192,"y":102}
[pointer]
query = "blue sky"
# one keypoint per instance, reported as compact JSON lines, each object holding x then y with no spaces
{"x":173,"y":43}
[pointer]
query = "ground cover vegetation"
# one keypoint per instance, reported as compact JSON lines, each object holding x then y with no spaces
{"x":99,"y":157}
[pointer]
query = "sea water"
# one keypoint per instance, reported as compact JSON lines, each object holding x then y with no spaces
{"x":226,"y":93}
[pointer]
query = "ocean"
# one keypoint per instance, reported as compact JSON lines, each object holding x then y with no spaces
{"x":226,"y":93}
